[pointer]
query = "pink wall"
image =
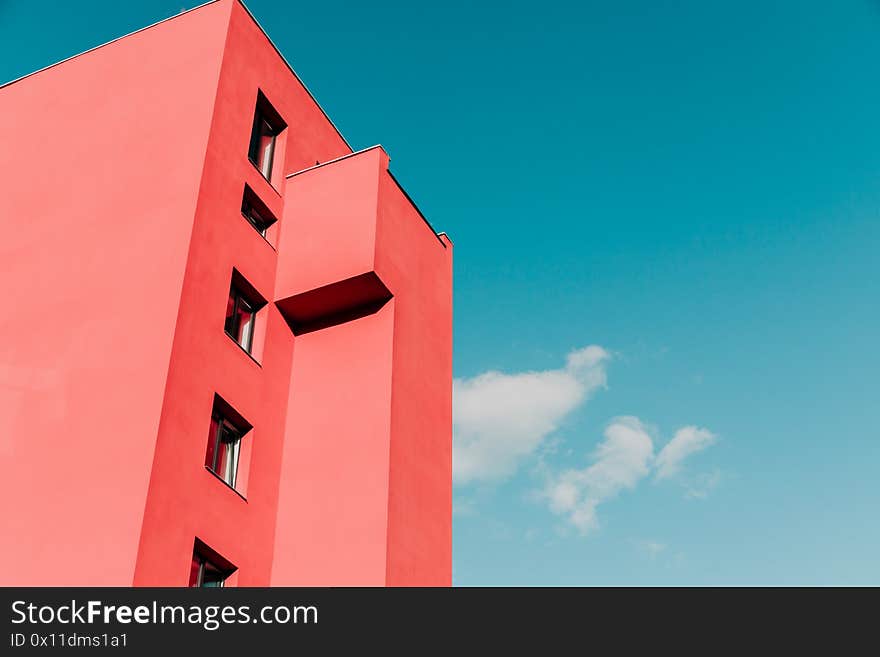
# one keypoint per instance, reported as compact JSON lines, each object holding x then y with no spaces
{"x":418,"y":268}
{"x":185,"y":500}
{"x":375,"y":229}
{"x":329,"y":234}
{"x":99,"y":186}
{"x":333,"y":505}
{"x":123,"y":173}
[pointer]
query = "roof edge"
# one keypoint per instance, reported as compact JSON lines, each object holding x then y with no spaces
{"x":107,"y":43}
{"x":415,"y":206}
{"x":335,"y":159}
{"x":295,"y":74}
{"x":164,"y":20}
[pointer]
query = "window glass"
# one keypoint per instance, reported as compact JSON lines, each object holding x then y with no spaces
{"x":239,"y":322}
{"x":255,"y":212}
{"x":245,"y":321}
{"x":266,"y":148}
{"x":204,"y":574}
{"x":224,"y":443}
{"x":262,"y":147}
{"x":212,"y":577}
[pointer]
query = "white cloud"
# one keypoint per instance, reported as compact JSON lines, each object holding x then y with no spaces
{"x":623,"y":458}
{"x":651,"y":548}
{"x":620,"y":461}
{"x":501,"y":419}
{"x":702,"y":484}
{"x":686,"y":441}
{"x":498,"y":419}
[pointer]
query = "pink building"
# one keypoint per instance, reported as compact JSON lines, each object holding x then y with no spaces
{"x":228,"y":353}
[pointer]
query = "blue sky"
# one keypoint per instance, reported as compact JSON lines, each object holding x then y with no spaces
{"x":692,"y":189}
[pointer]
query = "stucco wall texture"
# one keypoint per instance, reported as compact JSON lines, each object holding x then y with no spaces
{"x":123,"y":175}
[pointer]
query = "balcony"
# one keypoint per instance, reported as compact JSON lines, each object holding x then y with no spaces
{"x":349,"y":237}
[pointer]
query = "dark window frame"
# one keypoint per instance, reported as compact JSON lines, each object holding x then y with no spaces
{"x":255,"y":211}
{"x":205,"y":557}
{"x":265,"y":115}
{"x":226,"y":432}
{"x":240,"y":299}
{"x":204,"y":563}
{"x":225,"y":421}
{"x":241,"y":291}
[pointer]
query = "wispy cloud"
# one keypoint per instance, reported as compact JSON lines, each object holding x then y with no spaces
{"x":620,"y":461}
{"x":701,"y":485}
{"x":499,"y":419}
{"x":686,"y":441}
{"x":623,"y":458}
{"x":651,"y":548}
{"x":502,"y":419}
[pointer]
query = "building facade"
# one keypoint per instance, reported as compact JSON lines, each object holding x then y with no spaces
{"x":228,"y":355}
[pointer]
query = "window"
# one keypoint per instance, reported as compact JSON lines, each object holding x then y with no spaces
{"x":256,"y":212}
{"x":239,"y":323}
{"x":244,"y":318}
{"x":204,"y":574}
{"x":264,"y":133}
{"x":224,"y":444}
{"x":224,"y":455}
{"x":208,"y":569}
